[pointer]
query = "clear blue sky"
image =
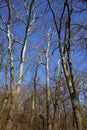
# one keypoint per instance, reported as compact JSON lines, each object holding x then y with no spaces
{"x":79,"y":59}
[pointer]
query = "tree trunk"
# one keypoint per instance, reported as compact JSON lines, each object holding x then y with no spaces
{"x":74,"y":100}
{"x":48,"y":93}
{"x":56,"y":119}
{"x":33,"y":112}
{"x":12,"y":109}
{"x":65,"y":50}
{"x":65,"y":116}
{"x":14,"y":91}
{"x":77,"y":122}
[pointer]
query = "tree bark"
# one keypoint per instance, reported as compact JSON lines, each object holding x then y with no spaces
{"x":12,"y":109}
{"x":68,"y":73}
{"x":14,"y":92}
{"x":48,"y":93}
{"x":33,"y":112}
{"x":56,"y":119}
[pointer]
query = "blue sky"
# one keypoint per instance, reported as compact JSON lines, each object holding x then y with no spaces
{"x":79,"y":58}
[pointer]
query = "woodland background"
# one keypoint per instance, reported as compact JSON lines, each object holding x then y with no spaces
{"x":43,"y":64}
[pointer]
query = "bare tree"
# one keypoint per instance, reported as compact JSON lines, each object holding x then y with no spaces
{"x":15,"y":90}
{"x":65,"y":50}
{"x":48,"y":92}
{"x":56,"y":118}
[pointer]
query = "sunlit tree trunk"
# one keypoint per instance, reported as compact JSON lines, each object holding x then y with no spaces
{"x":14,"y":92}
{"x":48,"y":93}
{"x":68,"y":73}
{"x":9,"y":122}
{"x":34,"y":98}
{"x":56,"y":118}
{"x":33,"y":108}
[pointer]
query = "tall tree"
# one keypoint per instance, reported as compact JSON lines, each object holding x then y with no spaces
{"x":65,"y":50}
{"x":15,"y":90}
{"x":56,"y":118}
{"x":48,"y":92}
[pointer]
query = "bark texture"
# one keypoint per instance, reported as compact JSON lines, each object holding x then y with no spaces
{"x":56,"y":119}
{"x":48,"y":93}
{"x":66,"y":51}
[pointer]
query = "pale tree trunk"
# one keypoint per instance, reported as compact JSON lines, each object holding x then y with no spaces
{"x":56,"y":118}
{"x":9,"y":122}
{"x":48,"y":93}
{"x":34,"y":96}
{"x":12,"y":91}
{"x":68,"y":73}
{"x":15,"y":90}
{"x":34,"y":107}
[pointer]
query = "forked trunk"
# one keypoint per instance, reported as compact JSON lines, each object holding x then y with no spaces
{"x":65,"y":50}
